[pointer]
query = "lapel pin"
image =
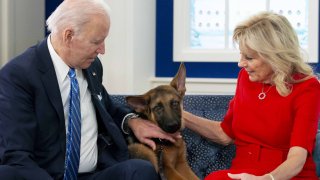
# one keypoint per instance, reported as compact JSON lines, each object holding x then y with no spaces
{"x":99,"y":96}
{"x":94,"y":73}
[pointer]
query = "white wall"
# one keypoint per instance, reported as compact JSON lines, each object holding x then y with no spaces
{"x":129,"y":62}
{"x":22,"y":24}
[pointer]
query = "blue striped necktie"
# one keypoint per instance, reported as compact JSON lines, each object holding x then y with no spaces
{"x":74,"y":130}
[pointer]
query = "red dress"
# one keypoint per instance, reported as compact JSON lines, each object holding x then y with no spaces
{"x":264,"y":130}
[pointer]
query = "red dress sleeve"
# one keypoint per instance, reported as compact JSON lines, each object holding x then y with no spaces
{"x":307,"y":110}
{"x":226,"y":124}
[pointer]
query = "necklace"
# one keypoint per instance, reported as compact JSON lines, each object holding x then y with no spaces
{"x":263,"y":94}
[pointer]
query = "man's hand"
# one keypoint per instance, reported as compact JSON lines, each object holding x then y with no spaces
{"x":145,"y":130}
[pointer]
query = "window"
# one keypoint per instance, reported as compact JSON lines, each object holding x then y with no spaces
{"x":203,"y":28}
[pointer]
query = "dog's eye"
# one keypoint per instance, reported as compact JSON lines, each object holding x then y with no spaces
{"x":158,"y":108}
{"x":175,"y":104}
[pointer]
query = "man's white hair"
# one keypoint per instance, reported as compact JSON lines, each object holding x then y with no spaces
{"x":76,"y":13}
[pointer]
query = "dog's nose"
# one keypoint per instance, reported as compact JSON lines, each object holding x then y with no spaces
{"x":171,"y":127}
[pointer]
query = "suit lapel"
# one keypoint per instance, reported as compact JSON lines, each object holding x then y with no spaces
{"x":49,"y":78}
{"x":97,"y":98}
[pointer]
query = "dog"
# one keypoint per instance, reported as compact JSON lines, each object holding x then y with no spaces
{"x":163,"y":105}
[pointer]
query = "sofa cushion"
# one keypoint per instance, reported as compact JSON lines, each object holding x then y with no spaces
{"x":205,"y":156}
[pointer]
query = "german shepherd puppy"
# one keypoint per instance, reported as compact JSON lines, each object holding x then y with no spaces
{"x":162,"y":106}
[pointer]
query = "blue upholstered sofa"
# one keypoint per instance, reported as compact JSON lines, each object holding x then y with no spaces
{"x":205,"y":156}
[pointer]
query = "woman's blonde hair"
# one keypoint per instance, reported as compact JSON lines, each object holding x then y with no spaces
{"x":273,"y":38}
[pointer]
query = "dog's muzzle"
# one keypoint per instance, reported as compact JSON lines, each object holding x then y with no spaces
{"x":171,"y":127}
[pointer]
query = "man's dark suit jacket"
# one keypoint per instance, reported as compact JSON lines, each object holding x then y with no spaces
{"x":32,"y":124}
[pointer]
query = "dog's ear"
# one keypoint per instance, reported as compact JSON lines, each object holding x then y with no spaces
{"x":138,"y":103}
{"x":179,"y":81}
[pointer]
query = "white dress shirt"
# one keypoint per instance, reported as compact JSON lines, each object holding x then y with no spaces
{"x":89,"y":127}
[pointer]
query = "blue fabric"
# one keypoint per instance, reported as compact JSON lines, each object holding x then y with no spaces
{"x":203,"y":155}
{"x":8,"y":172}
{"x":132,"y":169}
{"x":74,"y":130}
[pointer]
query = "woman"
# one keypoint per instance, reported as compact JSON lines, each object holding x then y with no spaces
{"x":273,"y":116}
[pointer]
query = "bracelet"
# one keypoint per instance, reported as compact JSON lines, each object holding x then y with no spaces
{"x":270,"y":175}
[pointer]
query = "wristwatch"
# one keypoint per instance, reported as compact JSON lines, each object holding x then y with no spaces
{"x":124,"y":126}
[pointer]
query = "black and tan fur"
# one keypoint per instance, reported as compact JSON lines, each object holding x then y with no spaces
{"x":163,"y":106}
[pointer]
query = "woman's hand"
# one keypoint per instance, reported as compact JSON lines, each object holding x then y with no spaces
{"x":246,"y":176}
{"x":145,"y":130}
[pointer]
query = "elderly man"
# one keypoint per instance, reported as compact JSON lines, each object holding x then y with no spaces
{"x":57,"y":121}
